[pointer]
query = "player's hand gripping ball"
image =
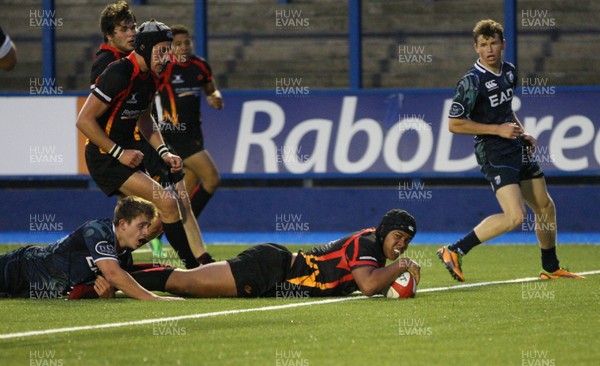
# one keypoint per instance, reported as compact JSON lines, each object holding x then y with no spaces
{"x":405,"y":286}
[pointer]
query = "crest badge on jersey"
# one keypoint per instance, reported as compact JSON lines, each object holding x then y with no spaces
{"x":456,"y":110}
{"x":104,"y":248}
{"x":511,"y":76}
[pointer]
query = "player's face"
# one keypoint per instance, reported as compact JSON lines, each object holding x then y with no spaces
{"x":124,"y":36}
{"x":490,"y":50}
{"x":395,"y":243}
{"x":161,"y":55}
{"x":135,"y":233}
{"x":182,"y":47}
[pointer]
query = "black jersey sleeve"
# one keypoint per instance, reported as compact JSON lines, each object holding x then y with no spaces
{"x":364,"y":251}
{"x":465,"y":96}
{"x":100,"y":241}
{"x":113,"y":81}
{"x":100,"y":64}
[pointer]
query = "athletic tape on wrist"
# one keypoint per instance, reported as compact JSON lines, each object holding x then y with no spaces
{"x":162,"y":150}
{"x":116,"y":151}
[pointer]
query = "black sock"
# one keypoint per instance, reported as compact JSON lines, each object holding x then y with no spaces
{"x":200,"y":198}
{"x":176,"y":236}
{"x":153,"y":279}
{"x":549,"y":260}
{"x":465,"y":244}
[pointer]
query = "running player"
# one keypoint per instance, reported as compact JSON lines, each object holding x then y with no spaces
{"x":117,"y":23}
{"x":180,"y":90}
{"x":8,"y":52}
{"x":97,"y":249}
{"x":482,"y":107}
{"x":355,"y":262}
{"x":120,"y":101}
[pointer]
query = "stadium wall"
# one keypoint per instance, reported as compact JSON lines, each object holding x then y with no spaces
{"x":349,"y":135}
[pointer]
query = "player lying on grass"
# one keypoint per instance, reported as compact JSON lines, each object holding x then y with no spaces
{"x":95,"y":253}
{"x":355,"y":262}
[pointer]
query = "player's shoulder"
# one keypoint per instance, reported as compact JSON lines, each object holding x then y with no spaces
{"x":508,"y":66}
{"x":98,"y":228}
{"x":122,"y":66}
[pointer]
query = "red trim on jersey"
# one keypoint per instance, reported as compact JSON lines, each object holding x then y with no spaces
{"x":116,"y":52}
{"x":171,"y":114}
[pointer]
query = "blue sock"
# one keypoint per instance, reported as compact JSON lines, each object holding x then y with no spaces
{"x":465,"y":244}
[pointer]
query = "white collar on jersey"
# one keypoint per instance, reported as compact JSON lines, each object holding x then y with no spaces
{"x":479,"y":66}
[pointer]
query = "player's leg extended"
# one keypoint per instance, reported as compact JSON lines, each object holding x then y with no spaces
{"x":512,"y":203}
{"x":212,"y":280}
{"x":203,"y":167}
{"x":140,"y":184}
{"x":537,"y":197}
{"x":190,"y":223}
{"x":513,"y":210}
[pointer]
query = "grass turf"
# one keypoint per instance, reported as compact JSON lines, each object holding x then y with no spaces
{"x":533,"y":323}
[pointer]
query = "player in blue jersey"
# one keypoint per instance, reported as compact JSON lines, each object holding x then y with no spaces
{"x":98,"y":251}
{"x":482,"y":107}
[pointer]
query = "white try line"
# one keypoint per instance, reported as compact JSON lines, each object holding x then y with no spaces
{"x":265,"y":308}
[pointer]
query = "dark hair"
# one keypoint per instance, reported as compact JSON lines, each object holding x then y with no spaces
{"x":131,"y":207}
{"x":488,"y":28}
{"x":179,"y":29}
{"x":112,"y":16}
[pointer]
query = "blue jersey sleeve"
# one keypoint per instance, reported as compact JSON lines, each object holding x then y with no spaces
{"x":465,"y":97}
{"x":100,"y":241}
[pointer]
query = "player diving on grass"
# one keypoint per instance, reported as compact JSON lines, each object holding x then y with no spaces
{"x":91,"y":261}
{"x":355,"y":262}
{"x":482,"y":107}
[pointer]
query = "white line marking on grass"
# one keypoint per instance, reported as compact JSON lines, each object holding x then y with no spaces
{"x":265,"y":308}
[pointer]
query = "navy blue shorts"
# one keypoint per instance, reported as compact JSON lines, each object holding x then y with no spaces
{"x":502,"y":170}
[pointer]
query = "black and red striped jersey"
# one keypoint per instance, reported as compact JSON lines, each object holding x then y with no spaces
{"x":128,"y":92}
{"x":104,"y":56}
{"x":181,"y":88}
{"x":327,"y":270}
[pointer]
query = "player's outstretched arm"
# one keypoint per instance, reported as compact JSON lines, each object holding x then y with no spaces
{"x":122,"y":280}
{"x":372,"y":280}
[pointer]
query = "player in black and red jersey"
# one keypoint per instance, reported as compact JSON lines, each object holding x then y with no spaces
{"x":120,"y":101}
{"x":117,"y":23}
{"x":94,"y":257}
{"x":482,"y":107}
{"x":355,"y":262}
{"x":182,"y":85}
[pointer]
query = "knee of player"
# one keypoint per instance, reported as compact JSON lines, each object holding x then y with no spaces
{"x":515,"y":220}
{"x":168,"y":208}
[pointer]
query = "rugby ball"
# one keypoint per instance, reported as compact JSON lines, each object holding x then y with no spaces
{"x":405,"y":286}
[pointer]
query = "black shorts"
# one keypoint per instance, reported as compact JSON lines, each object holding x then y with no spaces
{"x":155,"y":166}
{"x":502,"y":170}
{"x":185,"y":144}
{"x":257,"y":270}
{"x":108,"y":173}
